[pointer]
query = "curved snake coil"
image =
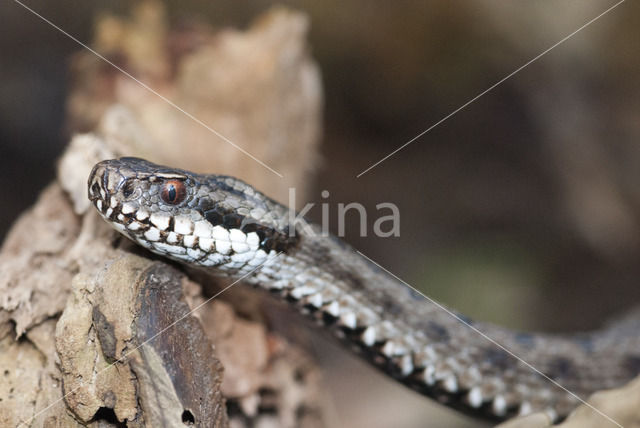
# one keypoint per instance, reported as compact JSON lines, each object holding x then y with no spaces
{"x":223,"y":224}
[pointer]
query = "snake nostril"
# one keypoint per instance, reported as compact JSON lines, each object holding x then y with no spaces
{"x":95,"y":188}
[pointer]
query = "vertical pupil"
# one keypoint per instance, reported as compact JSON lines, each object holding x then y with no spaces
{"x":172,"y":192}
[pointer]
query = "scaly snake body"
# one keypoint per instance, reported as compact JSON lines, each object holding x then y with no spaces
{"x":223,"y":224}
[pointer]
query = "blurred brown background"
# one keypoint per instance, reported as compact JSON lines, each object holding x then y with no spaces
{"x":522,"y":209}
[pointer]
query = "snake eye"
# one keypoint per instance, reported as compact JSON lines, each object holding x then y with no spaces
{"x":173,"y":192}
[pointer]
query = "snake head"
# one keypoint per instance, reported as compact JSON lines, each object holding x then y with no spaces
{"x":130,"y":187}
{"x":150,"y":204}
{"x":207,"y":220}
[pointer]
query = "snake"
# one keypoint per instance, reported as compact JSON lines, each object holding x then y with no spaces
{"x":225,"y":226}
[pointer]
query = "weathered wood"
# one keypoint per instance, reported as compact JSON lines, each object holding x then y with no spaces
{"x":80,"y":307}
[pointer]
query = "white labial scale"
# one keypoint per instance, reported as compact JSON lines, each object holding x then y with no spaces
{"x":119,"y":227}
{"x":172,"y":238}
{"x":109,"y":212}
{"x":99,"y":205}
{"x":223,"y":247}
{"x":128,"y":208}
{"x":238,"y":241}
{"x":239,"y":247}
{"x":182,"y":225}
{"x":152,"y":234}
{"x":203,"y":229}
{"x":219,"y":233}
{"x":172,"y":249}
{"x":142,"y":214}
{"x":189,"y":241}
{"x":113,"y":203}
{"x":160,"y":220}
{"x":121,"y":217}
{"x":253,"y":241}
{"x":206,"y":244}
{"x":236,"y":235}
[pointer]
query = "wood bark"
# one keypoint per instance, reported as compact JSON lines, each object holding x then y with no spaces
{"x":95,"y":331}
